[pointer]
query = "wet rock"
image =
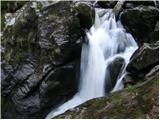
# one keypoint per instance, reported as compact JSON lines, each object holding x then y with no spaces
{"x":59,"y":32}
{"x":85,"y":13}
{"x":19,"y":75}
{"x":152,"y":72}
{"x":114,"y":70}
{"x":131,"y":4}
{"x":106,"y":4}
{"x":143,"y":60}
{"x":154,"y":36}
{"x":19,"y":88}
{"x":140,"y":21}
{"x":26,"y":101}
{"x":58,"y":86}
{"x":6,"y":69}
{"x":42,"y":40}
{"x":128,"y":80}
{"x":32,"y":97}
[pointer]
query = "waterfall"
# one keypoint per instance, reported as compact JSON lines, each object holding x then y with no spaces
{"x":106,"y":41}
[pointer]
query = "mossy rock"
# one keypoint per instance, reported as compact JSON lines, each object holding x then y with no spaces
{"x":137,"y":102}
{"x":11,"y":6}
{"x":86,"y":14}
{"x":26,"y":50}
{"x":140,"y":21}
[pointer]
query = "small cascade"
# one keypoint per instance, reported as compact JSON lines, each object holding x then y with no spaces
{"x":107,"y":40}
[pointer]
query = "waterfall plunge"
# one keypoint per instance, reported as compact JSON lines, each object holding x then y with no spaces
{"x":106,"y":41}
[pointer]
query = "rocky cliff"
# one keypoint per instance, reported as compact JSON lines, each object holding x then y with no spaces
{"x":41,"y":50}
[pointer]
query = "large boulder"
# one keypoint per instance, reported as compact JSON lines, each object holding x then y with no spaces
{"x":19,"y":88}
{"x":106,"y":4}
{"x":152,"y":72}
{"x":60,"y":32}
{"x":85,"y":12}
{"x":140,"y":21}
{"x":154,"y":36}
{"x":46,"y":31}
{"x":112,"y":73}
{"x":131,"y":3}
{"x":41,"y":48}
{"x":144,"y":59}
{"x":20,"y":35}
{"x":59,"y":85}
{"x":129,"y":79}
{"x":33,"y":97}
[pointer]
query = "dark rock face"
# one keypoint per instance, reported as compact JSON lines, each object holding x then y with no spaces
{"x":6,"y":69}
{"x":20,"y":88}
{"x":40,"y":67}
{"x":33,"y":97}
{"x":86,"y":13}
{"x":114,"y":70}
{"x":140,"y":21}
{"x":59,"y":31}
{"x":128,"y":80}
{"x":132,"y":4}
{"x":42,"y":52}
{"x":59,"y":85}
{"x":106,"y":4}
{"x":131,"y":80}
{"x":12,"y":6}
{"x":154,"y":36}
{"x":145,"y":58}
{"x":18,"y":76}
{"x":152,"y":72}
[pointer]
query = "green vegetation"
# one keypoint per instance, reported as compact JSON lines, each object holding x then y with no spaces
{"x":136,"y":102}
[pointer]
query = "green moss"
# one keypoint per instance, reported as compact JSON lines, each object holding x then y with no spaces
{"x":116,"y":99}
{"x":2,"y":22}
{"x":135,"y":102}
{"x":139,"y":114}
{"x":156,"y":80}
{"x":131,"y":88}
{"x":97,"y":103}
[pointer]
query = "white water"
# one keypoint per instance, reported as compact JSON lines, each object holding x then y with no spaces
{"x":106,"y":41}
{"x":9,"y":19}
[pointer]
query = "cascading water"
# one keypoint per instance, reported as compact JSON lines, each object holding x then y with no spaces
{"x":106,"y":41}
